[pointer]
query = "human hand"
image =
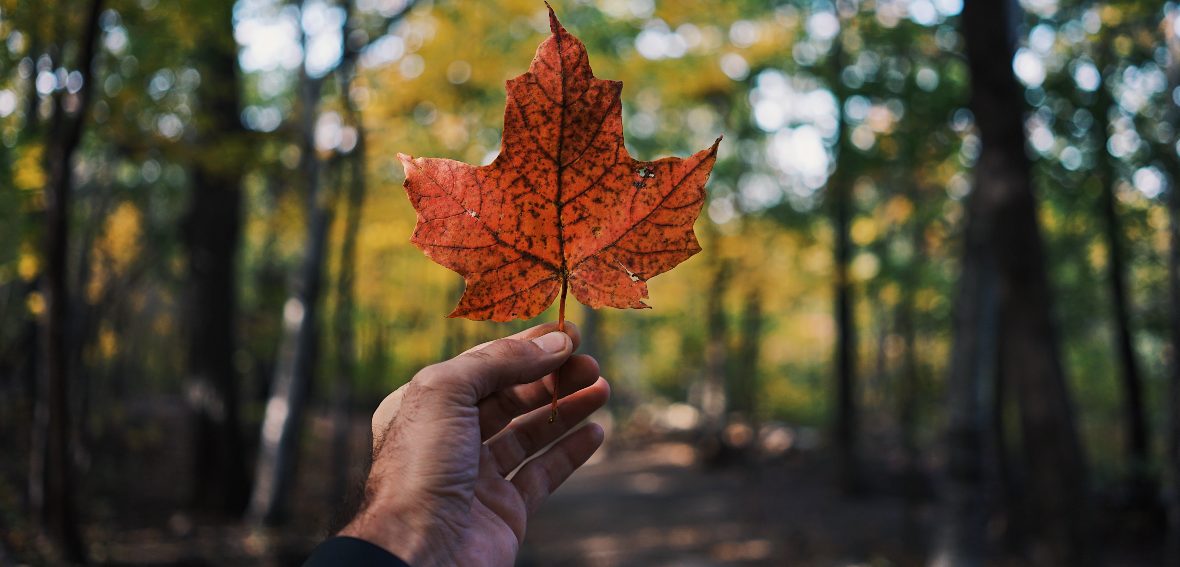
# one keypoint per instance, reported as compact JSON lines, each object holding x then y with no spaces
{"x":444,"y":445}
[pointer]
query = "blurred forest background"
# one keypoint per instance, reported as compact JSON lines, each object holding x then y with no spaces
{"x":935,"y":320}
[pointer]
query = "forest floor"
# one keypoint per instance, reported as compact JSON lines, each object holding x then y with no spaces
{"x":650,"y":502}
{"x":655,"y":505}
{"x":650,"y":505}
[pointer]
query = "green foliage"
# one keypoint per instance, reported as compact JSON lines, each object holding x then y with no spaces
{"x":758,"y":72}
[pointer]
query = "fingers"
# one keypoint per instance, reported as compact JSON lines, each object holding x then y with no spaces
{"x":533,"y":332}
{"x":475,"y":375}
{"x":499,"y":496}
{"x":532,"y":432}
{"x":389,"y":407}
{"x":540,"y":477}
{"x":497,"y":410}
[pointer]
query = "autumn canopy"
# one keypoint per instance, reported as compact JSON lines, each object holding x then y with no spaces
{"x":563,"y":206}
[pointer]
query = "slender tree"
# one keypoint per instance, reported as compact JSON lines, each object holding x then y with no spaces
{"x":283,"y":421}
{"x":1138,"y":440}
{"x":745,"y":383}
{"x":345,"y":301}
{"x":1170,"y":23}
{"x":591,"y":331}
{"x":52,"y":477}
{"x":714,"y":402}
{"x":839,"y":189}
{"x":211,"y":232}
{"x":281,"y":425}
{"x":908,"y":381}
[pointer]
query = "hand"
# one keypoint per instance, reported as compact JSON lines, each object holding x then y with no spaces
{"x":444,"y":445}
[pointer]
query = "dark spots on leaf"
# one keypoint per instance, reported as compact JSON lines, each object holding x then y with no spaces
{"x":564,"y":163}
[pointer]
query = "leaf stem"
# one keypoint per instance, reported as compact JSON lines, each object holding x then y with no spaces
{"x":560,"y":327}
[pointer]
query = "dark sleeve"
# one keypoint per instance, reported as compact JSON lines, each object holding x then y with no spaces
{"x":343,"y":550}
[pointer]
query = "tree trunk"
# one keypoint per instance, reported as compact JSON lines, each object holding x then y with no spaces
{"x":847,"y":421}
{"x":591,"y":330}
{"x":345,"y":339}
{"x":1004,"y":206}
{"x":714,"y":402}
{"x":85,"y":320}
{"x":345,"y":303}
{"x":874,"y":390}
{"x":962,"y":542}
{"x":909,"y":379}
{"x":745,"y":382}
{"x":1138,"y":442}
{"x":1134,"y":414}
{"x":283,"y":420}
{"x":52,"y":475}
{"x":1173,"y":403}
{"x":1008,"y":507}
{"x":212,"y":227}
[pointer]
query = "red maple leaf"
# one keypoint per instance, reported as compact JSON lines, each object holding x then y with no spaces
{"x":563,"y":205}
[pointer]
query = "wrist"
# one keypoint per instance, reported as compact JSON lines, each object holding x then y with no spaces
{"x":395,"y":533}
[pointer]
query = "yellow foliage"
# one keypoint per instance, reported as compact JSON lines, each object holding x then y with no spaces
{"x":1097,"y":255}
{"x":1157,"y":219}
{"x":865,"y":266}
{"x":28,"y":265}
{"x":108,"y":342}
{"x":121,"y":239}
{"x":898,"y":210}
{"x":792,"y":397}
{"x":1049,"y":219}
{"x":29,"y":175}
{"x":115,"y":249}
{"x":864,"y":231}
{"x":817,"y":259}
{"x":1111,"y":16}
{"x":35,"y":303}
{"x":927,"y":299}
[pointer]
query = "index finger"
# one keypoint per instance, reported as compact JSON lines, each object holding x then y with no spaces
{"x":533,"y":332}
{"x":476,"y":374}
{"x":389,"y":407}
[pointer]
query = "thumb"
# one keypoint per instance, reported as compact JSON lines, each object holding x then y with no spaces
{"x":477,"y":374}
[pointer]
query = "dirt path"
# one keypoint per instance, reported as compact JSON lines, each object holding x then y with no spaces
{"x":650,"y":504}
{"x":654,"y":507}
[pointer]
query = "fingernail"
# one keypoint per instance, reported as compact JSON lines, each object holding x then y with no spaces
{"x":552,"y":342}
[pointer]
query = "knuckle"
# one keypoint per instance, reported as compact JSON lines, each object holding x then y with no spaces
{"x":432,"y":376}
{"x":436,"y":382}
{"x":512,"y":348}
